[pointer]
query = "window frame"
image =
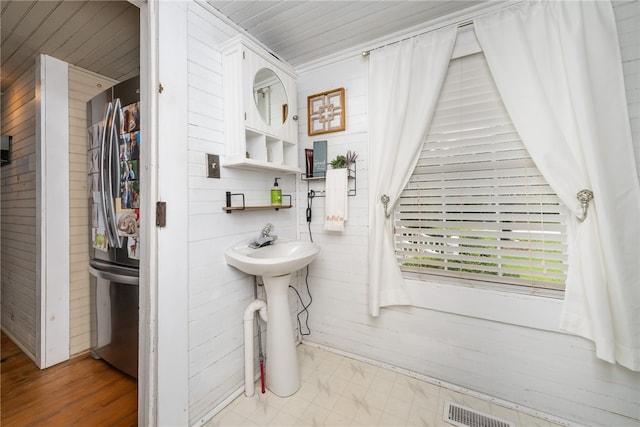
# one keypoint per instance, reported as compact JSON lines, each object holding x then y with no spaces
{"x":467,"y":44}
{"x":519,"y":309}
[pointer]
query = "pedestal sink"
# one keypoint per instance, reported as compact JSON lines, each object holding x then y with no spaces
{"x":275,"y":263}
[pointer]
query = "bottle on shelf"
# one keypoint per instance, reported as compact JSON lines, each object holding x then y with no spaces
{"x":276,"y":193}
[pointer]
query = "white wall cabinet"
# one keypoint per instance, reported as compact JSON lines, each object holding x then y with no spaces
{"x":260,"y":98}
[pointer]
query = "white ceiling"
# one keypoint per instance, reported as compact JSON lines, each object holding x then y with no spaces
{"x":103,"y":36}
{"x":303,"y":31}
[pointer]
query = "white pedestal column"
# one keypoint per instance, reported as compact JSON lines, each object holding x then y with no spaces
{"x":282,"y":371}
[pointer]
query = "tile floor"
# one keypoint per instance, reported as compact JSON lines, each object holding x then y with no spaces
{"x":339,"y":391}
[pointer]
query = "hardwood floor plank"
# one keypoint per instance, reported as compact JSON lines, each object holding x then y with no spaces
{"x":78,"y":392}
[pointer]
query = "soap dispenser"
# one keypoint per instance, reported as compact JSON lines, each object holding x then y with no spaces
{"x":276,"y":194}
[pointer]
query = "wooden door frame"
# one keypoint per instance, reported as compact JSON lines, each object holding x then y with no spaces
{"x":163,"y":380}
{"x":52,"y":211}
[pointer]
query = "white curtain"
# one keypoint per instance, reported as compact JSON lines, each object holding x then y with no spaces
{"x":558,"y":69}
{"x":404,"y":83}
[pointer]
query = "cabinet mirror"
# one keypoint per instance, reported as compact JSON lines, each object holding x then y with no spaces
{"x":270,"y":97}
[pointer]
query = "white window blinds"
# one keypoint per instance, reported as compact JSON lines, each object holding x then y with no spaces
{"x":476,"y":206}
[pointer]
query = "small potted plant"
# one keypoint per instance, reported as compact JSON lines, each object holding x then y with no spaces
{"x":341,"y":162}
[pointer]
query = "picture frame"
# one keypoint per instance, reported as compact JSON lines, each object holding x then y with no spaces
{"x":326,"y":112}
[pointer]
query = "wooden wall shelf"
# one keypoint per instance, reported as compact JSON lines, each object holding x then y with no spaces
{"x":244,"y":207}
{"x":230,"y":209}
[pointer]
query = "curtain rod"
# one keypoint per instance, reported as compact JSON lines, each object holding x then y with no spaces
{"x":462,"y":24}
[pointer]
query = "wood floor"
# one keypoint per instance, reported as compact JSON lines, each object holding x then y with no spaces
{"x":79,"y":392}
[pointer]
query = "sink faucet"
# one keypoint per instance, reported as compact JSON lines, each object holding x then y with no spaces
{"x":265,"y":238}
{"x":266,"y":230}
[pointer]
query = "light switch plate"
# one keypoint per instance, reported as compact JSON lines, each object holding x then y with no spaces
{"x":213,"y":166}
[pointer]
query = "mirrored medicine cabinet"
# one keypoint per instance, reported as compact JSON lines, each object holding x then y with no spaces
{"x":270,"y":98}
{"x":261,"y":128}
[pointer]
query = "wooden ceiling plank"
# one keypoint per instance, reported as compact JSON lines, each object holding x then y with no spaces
{"x":94,"y":28}
{"x":298,"y":18}
{"x":15,"y":29}
{"x":13,"y":13}
{"x":10,"y":45}
{"x":59,"y":18}
{"x":344,"y":21}
{"x":130,"y":70}
{"x":71,"y":32}
{"x":282,"y":13}
{"x":267,"y":15}
{"x":16,"y":58}
{"x":118,"y":32}
{"x":118,"y":66}
{"x":36,"y":16}
{"x":372,"y":27}
{"x":129,"y":62}
{"x":233,"y":7}
{"x":103,"y":55}
{"x":30,"y":26}
{"x":44,"y":19}
{"x":246,"y":16}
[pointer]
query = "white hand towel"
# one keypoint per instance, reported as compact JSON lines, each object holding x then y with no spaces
{"x":336,"y":199}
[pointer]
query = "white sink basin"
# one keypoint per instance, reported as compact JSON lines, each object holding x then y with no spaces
{"x":275,"y":263}
{"x":282,"y":257}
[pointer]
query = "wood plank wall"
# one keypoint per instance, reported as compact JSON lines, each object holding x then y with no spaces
{"x":628,"y":20}
{"x":19,"y":215}
{"x":547,"y":371}
{"x":218,"y":294}
{"x":18,"y":211}
{"x":82,"y":87}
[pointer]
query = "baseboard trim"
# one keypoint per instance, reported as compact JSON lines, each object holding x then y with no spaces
{"x":20,"y":346}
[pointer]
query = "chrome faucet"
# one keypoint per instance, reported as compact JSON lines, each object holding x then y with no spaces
{"x":265,"y":238}
{"x":266,"y":230}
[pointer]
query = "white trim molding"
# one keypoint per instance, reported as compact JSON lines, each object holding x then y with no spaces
{"x":52,"y":211}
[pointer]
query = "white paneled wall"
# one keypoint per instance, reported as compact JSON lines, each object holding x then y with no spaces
{"x":18,"y":270}
{"x":82,"y":87}
{"x":628,"y":19}
{"x":550,"y":372}
{"x":218,"y":294}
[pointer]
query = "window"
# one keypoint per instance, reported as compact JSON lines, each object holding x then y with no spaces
{"x":476,"y":206}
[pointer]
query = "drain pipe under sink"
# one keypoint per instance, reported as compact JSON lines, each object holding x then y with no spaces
{"x":261,"y":307}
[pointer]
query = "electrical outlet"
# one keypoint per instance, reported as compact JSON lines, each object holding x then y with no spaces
{"x":213,"y":166}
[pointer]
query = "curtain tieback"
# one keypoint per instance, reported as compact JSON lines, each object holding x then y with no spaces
{"x":584,"y":197}
{"x":385,"y":201}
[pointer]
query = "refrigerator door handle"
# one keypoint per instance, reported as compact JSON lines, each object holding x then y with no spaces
{"x":103,"y":146}
{"x":114,"y":277}
{"x":117,"y":112}
{"x":113,"y":148}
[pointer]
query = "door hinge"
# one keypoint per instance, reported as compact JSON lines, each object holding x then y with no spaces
{"x":160,"y":88}
{"x":161,"y":214}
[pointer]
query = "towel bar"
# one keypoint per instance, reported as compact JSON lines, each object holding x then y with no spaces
{"x":351,"y":175}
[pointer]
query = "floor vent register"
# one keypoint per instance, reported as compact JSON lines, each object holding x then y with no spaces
{"x":461,"y":416}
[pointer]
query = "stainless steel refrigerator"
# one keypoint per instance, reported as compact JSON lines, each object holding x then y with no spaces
{"x":114,"y":200}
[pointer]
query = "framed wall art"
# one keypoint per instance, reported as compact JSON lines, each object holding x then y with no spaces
{"x":326,"y":112}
